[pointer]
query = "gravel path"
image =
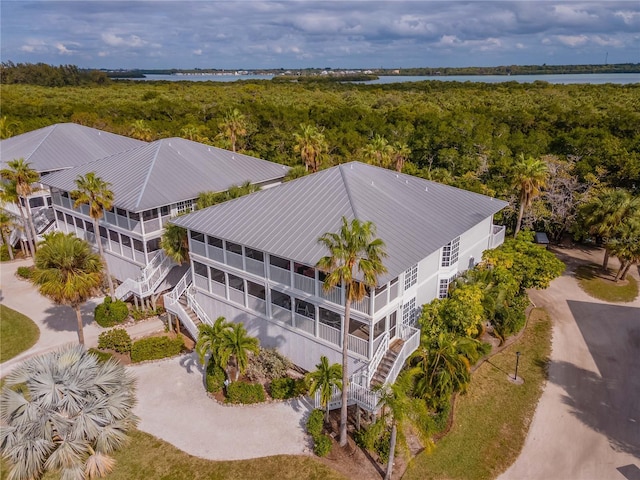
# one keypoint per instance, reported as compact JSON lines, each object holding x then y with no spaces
{"x":587,"y":423}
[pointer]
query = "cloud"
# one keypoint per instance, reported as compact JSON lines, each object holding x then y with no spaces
{"x":197,"y":51}
{"x":114,"y":40}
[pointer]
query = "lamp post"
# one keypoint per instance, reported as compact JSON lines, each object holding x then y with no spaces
{"x":515,"y":376}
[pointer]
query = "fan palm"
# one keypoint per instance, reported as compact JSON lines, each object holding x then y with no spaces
{"x":68,"y":272}
{"x":21,"y":177}
{"x":312,"y":145}
{"x":140,"y":130}
{"x":235,"y":346}
{"x":400,"y":153}
{"x":210,"y":340}
{"x":378,"y":152}
{"x":529,"y":176}
{"x":65,"y":411}
{"x":7,"y":223}
{"x":95,"y":192}
{"x":352,"y":252}
{"x":233,"y":126}
{"x":175,"y":243}
{"x":323,"y":379}
{"x":626,"y":245}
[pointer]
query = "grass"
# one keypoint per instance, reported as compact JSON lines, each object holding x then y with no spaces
{"x":600,"y":285}
{"x":17,"y":333}
{"x":492,"y":419}
{"x":148,"y":457}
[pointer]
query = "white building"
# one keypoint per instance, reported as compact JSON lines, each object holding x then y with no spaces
{"x":253,"y":261}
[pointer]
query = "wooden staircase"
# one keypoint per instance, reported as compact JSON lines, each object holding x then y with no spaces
{"x":386,"y":363}
{"x":192,"y":315}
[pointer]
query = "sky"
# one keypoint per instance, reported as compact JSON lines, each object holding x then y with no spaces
{"x":247,"y":34}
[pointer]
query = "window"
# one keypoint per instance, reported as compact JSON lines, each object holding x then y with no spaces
{"x":121,"y":212}
{"x":214,"y":242}
{"x":234,"y":248}
{"x":256,"y":290}
{"x":60,"y":215}
{"x":149,"y":214}
{"x":49,"y":201}
{"x":79,"y":223}
{"x":126,"y":241}
{"x":333,"y":319}
{"x":69,"y":219}
{"x":197,"y":236}
{"x":164,"y":210}
{"x":411,"y":277}
{"x":153,"y":245}
{"x":409,"y":312}
{"x":217,"y":275}
{"x":137,"y":245}
{"x":64,"y":194}
{"x":200,"y":269}
{"x":280,"y":299}
{"x":443,"y":287}
{"x":89,"y":226}
{"x":134,"y":216}
{"x":236,"y":283}
{"x":305,"y":308}
{"x":279,"y":262}
{"x":186,"y":206}
{"x":450,"y":252}
{"x":255,"y":254}
{"x":378,"y":328}
{"x":103,"y":232}
{"x":36,"y":202}
{"x":113,"y":236}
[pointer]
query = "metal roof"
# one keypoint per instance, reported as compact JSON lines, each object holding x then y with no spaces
{"x":63,"y":145}
{"x":414,"y":217}
{"x":169,"y":171}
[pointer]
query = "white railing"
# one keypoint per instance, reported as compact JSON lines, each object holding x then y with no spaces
{"x":361,"y":305}
{"x":256,"y":304}
{"x":377,"y":357}
{"x":334,"y":295}
{"x":280,"y":275}
{"x":198,"y":248}
{"x":254,"y":266}
{"x":497,"y":236}
{"x":359,"y":345}
{"x":234,"y":260}
{"x":152,"y":276}
{"x":329,"y":333}
{"x":304,"y":283}
{"x":364,"y":397}
{"x":195,"y":306}
{"x":177,"y":309}
{"x":305,"y":323}
{"x":281,"y":314}
{"x":184,"y":283}
{"x":409,"y":346}
{"x":126,"y":288}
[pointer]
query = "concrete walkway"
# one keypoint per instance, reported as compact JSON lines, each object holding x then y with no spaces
{"x":587,"y":423}
{"x":57,"y":323}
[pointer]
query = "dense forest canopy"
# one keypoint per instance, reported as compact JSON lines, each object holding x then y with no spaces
{"x":465,"y":134}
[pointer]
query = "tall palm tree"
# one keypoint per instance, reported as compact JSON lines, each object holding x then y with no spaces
{"x":626,"y":245}
{"x":403,"y":413}
{"x":68,"y":272}
{"x":20,"y":174}
{"x":210,"y":340}
{"x":353,"y":253}
{"x":400,"y":153}
{"x":141,"y":131}
{"x":312,"y":146}
{"x":65,"y":411}
{"x":8,"y":128}
{"x":606,"y":213}
{"x":378,"y":151}
{"x":235,"y":347}
{"x":323,"y":379}
{"x":175,"y":243}
{"x":7,"y":223}
{"x":95,"y":192}
{"x":529,"y":176}
{"x":233,"y":126}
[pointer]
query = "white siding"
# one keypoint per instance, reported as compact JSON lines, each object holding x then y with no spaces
{"x":472,"y":243}
{"x":121,"y":268}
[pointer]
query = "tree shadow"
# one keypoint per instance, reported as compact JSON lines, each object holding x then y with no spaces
{"x":191,"y":362}
{"x":608,"y":403}
{"x":62,"y":318}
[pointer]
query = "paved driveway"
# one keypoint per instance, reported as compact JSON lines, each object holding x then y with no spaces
{"x":587,"y":424}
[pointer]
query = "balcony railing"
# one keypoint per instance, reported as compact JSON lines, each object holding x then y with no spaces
{"x":201,"y":282}
{"x":218,"y":289}
{"x":280,"y":275}
{"x":359,"y":345}
{"x":304,"y":283}
{"x":305,"y":323}
{"x":281,"y":314}
{"x":497,"y":236}
{"x":198,"y":247}
{"x":236,"y":296}
{"x":234,"y":260}
{"x":254,"y":266}
{"x":362,"y":305}
{"x":328,"y":333}
{"x":334,"y":295}
{"x":215,"y":253}
{"x":380,"y":300}
{"x":257,"y":304}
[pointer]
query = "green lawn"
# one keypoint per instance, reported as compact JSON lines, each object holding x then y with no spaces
{"x":17,"y":333}
{"x":147,"y":457}
{"x":493,"y":417}
{"x":600,"y":284}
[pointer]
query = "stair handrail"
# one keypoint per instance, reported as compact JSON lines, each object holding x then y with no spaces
{"x":126,"y":287}
{"x":195,"y":306}
{"x":150,"y":279}
{"x":377,"y":357}
{"x":408,"y":347}
{"x":184,"y":283}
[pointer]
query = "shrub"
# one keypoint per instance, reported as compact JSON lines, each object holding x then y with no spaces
{"x":115,"y":339}
{"x":322,"y":445}
{"x":283,"y":388}
{"x":4,"y":253}
{"x":315,"y":423}
{"x":215,"y":377}
{"x":268,"y":364}
{"x":238,"y":392}
{"x":154,"y":348}
{"x":102,"y":356}
{"x":140,"y":314}
{"x":110,"y":313}
{"x":25,"y":272}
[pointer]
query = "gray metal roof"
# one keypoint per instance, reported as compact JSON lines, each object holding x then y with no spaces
{"x":414,"y":217}
{"x":169,"y":171}
{"x":63,"y":145}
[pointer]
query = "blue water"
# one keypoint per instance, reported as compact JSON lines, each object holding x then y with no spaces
{"x":593,"y":78}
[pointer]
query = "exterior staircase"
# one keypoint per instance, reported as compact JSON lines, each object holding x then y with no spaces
{"x":188,"y":310}
{"x":152,"y":276}
{"x":387,"y":363}
{"x":181,"y":303}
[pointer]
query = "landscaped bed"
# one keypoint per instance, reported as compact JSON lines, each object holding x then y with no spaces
{"x":17,"y":333}
{"x":601,"y":284}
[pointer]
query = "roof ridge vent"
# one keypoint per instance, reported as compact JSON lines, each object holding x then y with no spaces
{"x":209,"y":149}
{"x":406,"y":182}
{"x":426,"y":189}
{"x":169,"y":143}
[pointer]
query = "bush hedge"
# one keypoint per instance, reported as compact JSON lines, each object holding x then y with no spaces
{"x":215,"y":377}
{"x":155,"y":348}
{"x":283,"y":388}
{"x":25,"y":272}
{"x":115,"y":339}
{"x":102,"y":356}
{"x":322,"y":445}
{"x":110,"y":313}
{"x":246,"y":393}
{"x":315,"y":423}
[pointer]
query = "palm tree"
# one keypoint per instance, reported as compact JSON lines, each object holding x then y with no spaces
{"x":22,"y":176}
{"x":403,"y":413}
{"x":352,"y":252}
{"x":626,"y":246}
{"x":529,"y":176}
{"x":235,"y":346}
{"x":68,"y":272}
{"x":323,"y":379}
{"x":312,"y":145}
{"x":378,"y":151}
{"x":175,"y":243}
{"x":400,"y":153}
{"x":605,"y":214}
{"x":233,"y":126}
{"x":140,"y":130}
{"x":95,"y":192}
{"x":7,"y":128}
{"x":65,"y":411}
{"x":210,"y":340}
{"x":7,"y":223}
